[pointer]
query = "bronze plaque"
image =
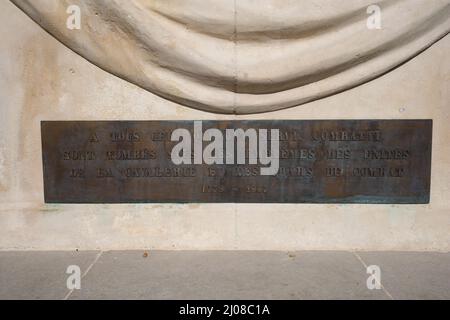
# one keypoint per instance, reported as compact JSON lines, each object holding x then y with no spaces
{"x":320,"y":161}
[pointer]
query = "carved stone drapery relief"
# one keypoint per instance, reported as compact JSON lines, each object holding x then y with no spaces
{"x":244,"y":56}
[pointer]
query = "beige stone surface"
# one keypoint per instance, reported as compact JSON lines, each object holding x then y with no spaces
{"x":40,"y":79}
{"x":245,"y":56}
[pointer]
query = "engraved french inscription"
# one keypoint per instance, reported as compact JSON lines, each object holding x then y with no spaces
{"x":320,"y":161}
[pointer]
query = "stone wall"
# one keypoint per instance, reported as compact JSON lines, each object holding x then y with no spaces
{"x":40,"y":79}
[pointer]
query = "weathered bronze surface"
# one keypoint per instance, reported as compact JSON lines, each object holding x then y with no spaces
{"x":321,"y":161}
